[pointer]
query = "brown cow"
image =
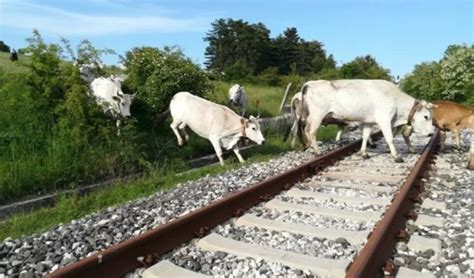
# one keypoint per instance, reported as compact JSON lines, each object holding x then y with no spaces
{"x":451,"y":116}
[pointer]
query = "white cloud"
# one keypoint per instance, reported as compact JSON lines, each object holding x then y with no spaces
{"x":28,"y":15}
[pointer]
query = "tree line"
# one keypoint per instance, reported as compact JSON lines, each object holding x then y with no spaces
{"x":239,"y":50}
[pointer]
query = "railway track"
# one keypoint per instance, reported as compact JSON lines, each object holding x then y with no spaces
{"x":324,"y":221}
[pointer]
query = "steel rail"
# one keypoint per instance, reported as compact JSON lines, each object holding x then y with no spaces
{"x":379,"y":247}
{"x":121,"y":258}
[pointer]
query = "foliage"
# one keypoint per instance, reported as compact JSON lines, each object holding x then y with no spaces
{"x":450,"y":78}
{"x":4,"y":47}
{"x":457,"y":71}
{"x":53,"y":134}
{"x":424,"y":82}
{"x":156,"y":75}
{"x":242,"y":50}
{"x":235,"y":41}
{"x":364,"y":67}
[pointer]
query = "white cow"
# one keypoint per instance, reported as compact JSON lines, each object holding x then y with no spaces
{"x":369,"y":102}
{"x":238,"y":98}
{"x":107,"y":92}
{"x":217,"y":123}
{"x":299,"y":111}
{"x":109,"y":95}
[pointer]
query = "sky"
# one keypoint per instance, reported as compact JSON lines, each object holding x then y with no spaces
{"x":398,"y":33}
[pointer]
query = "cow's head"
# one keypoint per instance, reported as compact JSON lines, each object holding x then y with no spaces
{"x":251,"y":129}
{"x":422,"y":119}
{"x":88,"y":72}
{"x":123,"y":103}
{"x":235,"y":93}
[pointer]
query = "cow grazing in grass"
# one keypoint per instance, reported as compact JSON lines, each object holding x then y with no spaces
{"x":13,"y":55}
{"x":369,"y":102}
{"x":454,"y":117}
{"x":217,"y":123}
{"x":238,"y":98}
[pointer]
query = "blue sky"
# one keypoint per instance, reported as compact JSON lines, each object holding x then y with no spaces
{"x":398,"y":33}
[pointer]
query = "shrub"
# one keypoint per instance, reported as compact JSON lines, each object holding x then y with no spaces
{"x":156,"y":75}
{"x":53,"y":134}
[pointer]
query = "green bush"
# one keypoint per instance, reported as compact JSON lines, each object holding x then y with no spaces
{"x":156,"y":75}
{"x":53,"y":134}
{"x":269,"y":76}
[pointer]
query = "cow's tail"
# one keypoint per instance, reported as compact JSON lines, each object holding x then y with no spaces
{"x":294,"y":126}
{"x":301,"y":124}
{"x":161,"y":117}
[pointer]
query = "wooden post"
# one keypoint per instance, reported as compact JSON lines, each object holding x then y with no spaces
{"x":284,"y":98}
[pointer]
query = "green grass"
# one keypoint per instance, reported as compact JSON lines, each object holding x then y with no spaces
{"x":13,"y":67}
{"x":69,"y":208}
{"x":269,"y":97}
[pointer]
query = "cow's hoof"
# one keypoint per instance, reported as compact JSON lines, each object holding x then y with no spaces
{"x":398,"y":159}
{"x":365,"y":156}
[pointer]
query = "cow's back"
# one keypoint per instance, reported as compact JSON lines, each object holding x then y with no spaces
{"x":447,"y":113}
{"x":104,"y":89}
{"x":202,"y":116}
{"x":357,"y":100}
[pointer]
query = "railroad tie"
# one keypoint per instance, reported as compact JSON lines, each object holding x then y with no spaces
{"x":340,"y":184}
{"x":251,"y":220}
{"x":317,"y":265}
{"x":404,"y":272}
{"x":332,"y":213}
{"x":165,"y":269}
{"x":298,"y":193}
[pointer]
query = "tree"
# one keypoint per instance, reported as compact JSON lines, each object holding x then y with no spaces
{"x":450,"y":78}
{"x":457,"y":71}
{"x":364,"y":67}
{"x":424,"y":82}
{"x":231,"y":41}
{"x":4,"y":47}
{"x":156,"y":75}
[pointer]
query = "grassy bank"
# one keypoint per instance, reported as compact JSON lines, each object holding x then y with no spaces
{"x":269,"y":97}
{"x":69,"y":208}
{"x":13,"y":67}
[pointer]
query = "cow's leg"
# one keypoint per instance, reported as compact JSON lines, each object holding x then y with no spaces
{"x":182,"y":128}
{"x":406,"y":131}
{"x":457,"y":139}
{"x":217,"y":148}
{"x":366,"y":129}
{"x":442,"y":140}
{"x":311,"y":130}
{"x":293,"y":132}
{"x":242,"y":109}
{"x":387,"y":133}
{"x":339,"y":134}
{"x":237,"y":153}
{"x":117,"y":123}
{"x":174,"y":126}
{"x":470,"y":164}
